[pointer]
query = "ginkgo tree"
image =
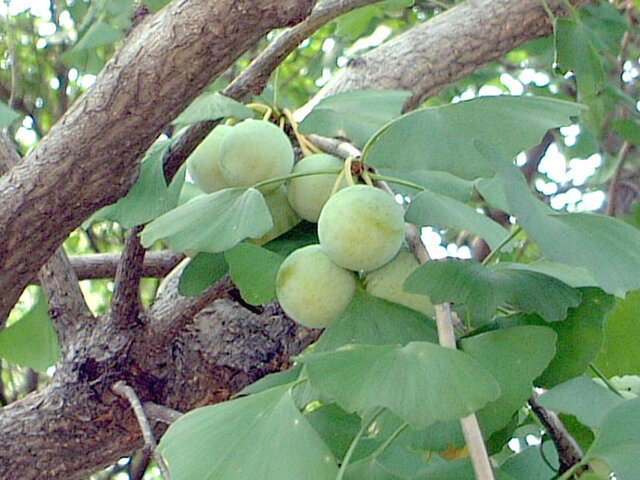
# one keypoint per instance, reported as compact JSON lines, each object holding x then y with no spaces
{"x":512,"y":357}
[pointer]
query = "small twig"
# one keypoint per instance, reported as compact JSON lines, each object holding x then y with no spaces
{"x":125,"y":306}
{"x":160,"y":413}
{"x":447,"y":338}
{"x":569,"y":451}
{"x":335,"y":146}
{"x":615,"y":182}
{"x":125,"y":391}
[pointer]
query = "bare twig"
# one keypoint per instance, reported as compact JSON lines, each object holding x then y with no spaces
{"x":104,"y":265}
{"x":569,"y":451}
{"x":615,"y":182}
{"x":125,"y":391}
{"x":125,"y":305}
{"x":160,"y":413}
{"x":335,"y":146}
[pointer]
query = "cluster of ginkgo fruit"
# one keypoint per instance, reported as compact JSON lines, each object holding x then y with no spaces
{"x":361,"y":228}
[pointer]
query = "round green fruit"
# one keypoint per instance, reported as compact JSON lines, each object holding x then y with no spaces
{"x":254,"y":151}
{"x":312,"y":289}
{"x":387,"y":281}
{"x":307,"y":195}
{"x":203,"y":164}
{"x":361,"y":228}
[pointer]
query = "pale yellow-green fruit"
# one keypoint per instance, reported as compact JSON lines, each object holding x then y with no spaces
{"x":203,"y":164}
{"x":284,"y":217}
{"x":307,"y":195}
{"x":253,"y":151}
{"x":312,"y":289}
{"x":387,"y":281}
{"x":361,"y":228}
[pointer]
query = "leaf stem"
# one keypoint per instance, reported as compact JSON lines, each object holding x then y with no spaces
{"x":606,"y":381}
{"x":282,"y":178}
{"x":380,"y":450}
{"x":398,"y":181}
{"x":494,"y":253}
{"x":354,"y":443}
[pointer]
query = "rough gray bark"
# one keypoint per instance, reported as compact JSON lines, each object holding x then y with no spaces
{"x":90,"y":157}
{"x":452,"y":45}
{"x":76,"y":424}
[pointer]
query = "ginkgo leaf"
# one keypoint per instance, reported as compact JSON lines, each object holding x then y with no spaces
{"x":429,"y":138}
{"x":415,"y":381}
{"x":212,"y":223}
{"x":356,"y":115}
{"x":259,"y":437}
{"x":481,"y":289}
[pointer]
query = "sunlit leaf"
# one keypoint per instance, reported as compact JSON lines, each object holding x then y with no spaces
{"x":261,"y":437}
{"x":430,"y":139}
{"x":212,"y":223}
{"x":413,"y":381}
{"x":356,"y":115}
{"x":32,"y":341}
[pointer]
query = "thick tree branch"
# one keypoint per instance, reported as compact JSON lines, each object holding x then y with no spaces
{"x":90,"y":157}
{"x":104,"y":265}
{"x":67,"y":306}
{"x":445,"y":49}
{"x":125,"y":305}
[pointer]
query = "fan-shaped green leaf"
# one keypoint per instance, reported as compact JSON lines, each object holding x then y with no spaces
{"x":484,"y":288}
{"x":203,"y":270}
{"x":370,"y":320}
{"x":441,"y":212}
{"x":254,"y":269}
{"x":212,"y":223}
{"x":413,"y":381}
{"x":32,"y":341}
{"x":607,"y":247}
{"x":149,"y":197}
{"x":582,"y":397}
{"x":429,"y":139}
{"x":621,"y":338}
{"x":261,"y":437}
{"x":618,"y":443}
{"x":356,"y":115}
{"x":515,"y":357}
